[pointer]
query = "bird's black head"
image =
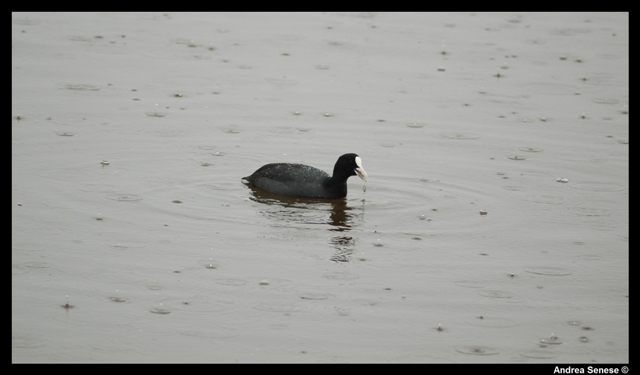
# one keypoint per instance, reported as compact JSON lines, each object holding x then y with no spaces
{"x":349,"y":165}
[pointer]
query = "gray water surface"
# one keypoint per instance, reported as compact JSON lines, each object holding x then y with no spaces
{"x":493,"y":226}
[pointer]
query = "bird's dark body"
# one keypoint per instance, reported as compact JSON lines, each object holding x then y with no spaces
{"x":295,"y":180}
{"x":301,"y":180}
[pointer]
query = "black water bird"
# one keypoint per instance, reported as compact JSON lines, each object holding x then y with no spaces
{"x":299,"y":180}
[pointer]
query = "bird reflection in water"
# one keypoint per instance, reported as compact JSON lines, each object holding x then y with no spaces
{"x":313,"y":211}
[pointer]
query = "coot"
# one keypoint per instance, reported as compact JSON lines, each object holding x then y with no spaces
{"x":301,"y":180}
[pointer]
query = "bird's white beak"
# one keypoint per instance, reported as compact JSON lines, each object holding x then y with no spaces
{"x":359,"y":170}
